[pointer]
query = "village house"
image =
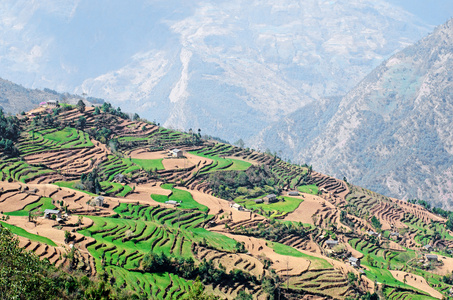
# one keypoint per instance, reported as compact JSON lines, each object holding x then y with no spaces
{"x":373,"y":233}
{"x":355,"y":262}
{"x":271,"y":198}
{"x":176,"y":153}
{"x":428,"y":248}
{"x":431,"y":257}
{"x":99,"y":201}
{"x":258,"y":201}
{"x":293,"y":193}
{"x":237,"y":207}
{"x":118,"y":178}
{"x":331,"y":243}
{"x":173,"y":202}
{"x":52,"y":103}
{"x":48,"y":213}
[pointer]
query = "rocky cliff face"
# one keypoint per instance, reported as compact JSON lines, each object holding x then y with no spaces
{"x":393,"y":132}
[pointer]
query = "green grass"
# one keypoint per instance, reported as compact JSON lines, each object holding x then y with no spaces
{"x":125,"y":191}
{"x":22,"y":232}
{"x":289,"y":205}
{"x":149,"y":164}
{"x":308,"y":189}
{"x":187,"y":201}
{"x":43,"y":204}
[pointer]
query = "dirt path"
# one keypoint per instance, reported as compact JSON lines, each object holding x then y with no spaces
{"x":417,"y":282}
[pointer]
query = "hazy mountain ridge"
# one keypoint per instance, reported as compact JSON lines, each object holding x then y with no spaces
{"x":258,"y":61}
{"x":393,"y":132}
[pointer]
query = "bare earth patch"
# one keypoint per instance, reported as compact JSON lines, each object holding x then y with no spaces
{"x":288,"y":264}
{"x":144,"y":154}
{"x":177,"y":163}
{"x":307,"y":209}
{"x":417,"y":282}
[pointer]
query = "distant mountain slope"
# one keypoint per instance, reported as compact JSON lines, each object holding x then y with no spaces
{"x":393,"y":133}
{"x":15,"y":98}
{"x":227,"y":67}
{"x":258,"y":62}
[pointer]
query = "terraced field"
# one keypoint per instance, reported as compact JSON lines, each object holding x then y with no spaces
{"x":253,"y":249}
{"x":123,"y":241}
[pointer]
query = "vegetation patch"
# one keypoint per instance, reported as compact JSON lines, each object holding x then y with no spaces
{"x":308,"y":189}
{"x":186,"y":199}
{"x":149,"y":164}
{"x":285,"y":205}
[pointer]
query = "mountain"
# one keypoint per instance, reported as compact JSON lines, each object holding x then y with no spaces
{"x":180,"y":61}
{"x":258,"y":61}
{"x":393,"y":132}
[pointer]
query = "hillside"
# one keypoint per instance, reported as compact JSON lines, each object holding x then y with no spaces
{"x":391,"y":133}
{"x":15,"y":98}
{"x":165,"y":220}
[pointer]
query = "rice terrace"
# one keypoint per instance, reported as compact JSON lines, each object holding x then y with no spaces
{"x":136,"y":211}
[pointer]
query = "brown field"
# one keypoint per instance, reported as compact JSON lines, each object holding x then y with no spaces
{"x":307,"y":209}
{"x":144,"y":154}
{"x":280,"y":263}
{"x":417,"y":282}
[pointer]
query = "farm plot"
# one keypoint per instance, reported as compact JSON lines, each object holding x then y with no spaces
{"x":122,"y":242}
{"x":279,"y":209}
{"x":221,"y":164}
{"x":185,"y":198}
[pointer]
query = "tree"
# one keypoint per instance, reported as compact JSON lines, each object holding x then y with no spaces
{"x":67,"y":236}
{"x":197,"y":292}
{"x":97,"y":111}
{"x":81,"y":122}
{"x":369,"y":260}
{"x":375,"y":222}
{"x":352,"y":278}
{"x":240,"y":143}
{"x":80,"y":106}
{"x":242,"y":295}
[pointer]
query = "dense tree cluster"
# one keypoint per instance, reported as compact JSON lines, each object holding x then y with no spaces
{"x":253,"y":182}
{"x":108,"y":108}
{"x":90,"y":182}
{"x":186,"y":268}
{"x":9,"y":133}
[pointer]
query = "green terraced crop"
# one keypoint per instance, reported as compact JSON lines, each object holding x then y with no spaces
{"x":187,"y":201}
{"x":308,"y":189}
{"x":43,"y":204}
